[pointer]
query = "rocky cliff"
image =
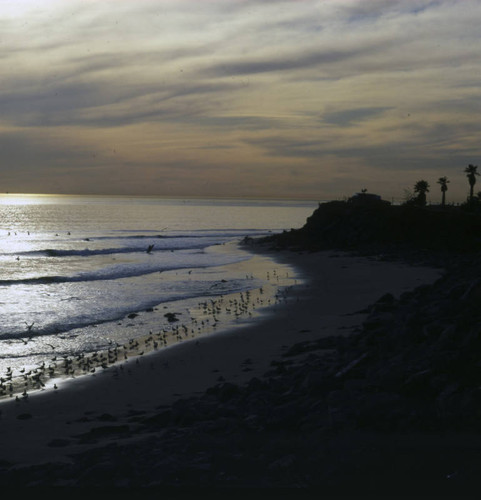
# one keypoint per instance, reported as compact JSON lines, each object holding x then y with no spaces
{"x":382,"y":227}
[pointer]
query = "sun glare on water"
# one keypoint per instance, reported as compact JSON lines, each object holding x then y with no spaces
{"x":25,"y":199}
{"x":14,"y":236}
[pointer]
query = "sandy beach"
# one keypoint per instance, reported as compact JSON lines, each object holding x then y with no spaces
{"x":333,"y":292}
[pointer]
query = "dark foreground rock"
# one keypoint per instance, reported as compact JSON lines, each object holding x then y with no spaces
{"x":394,"y":408}
{"x":405,"y":230}
{"x":397,"y":402}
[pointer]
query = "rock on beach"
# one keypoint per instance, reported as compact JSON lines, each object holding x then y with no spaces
{"x":394,"y":405}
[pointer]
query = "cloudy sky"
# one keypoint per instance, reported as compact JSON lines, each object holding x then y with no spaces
{"x":310,"y":99}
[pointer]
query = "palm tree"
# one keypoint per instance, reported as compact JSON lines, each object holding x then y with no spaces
{"x":421,"y":188}
{"x":471,"y":173}
{"x":443,"y":181}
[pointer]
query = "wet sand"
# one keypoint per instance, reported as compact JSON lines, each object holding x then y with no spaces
{"x":334,"y":289}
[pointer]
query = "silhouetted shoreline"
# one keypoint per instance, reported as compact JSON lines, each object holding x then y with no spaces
{"x":392,"y":407}
{"x":416,"y":234}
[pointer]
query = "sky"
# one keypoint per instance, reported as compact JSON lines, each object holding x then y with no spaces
{"x":299,"y":99}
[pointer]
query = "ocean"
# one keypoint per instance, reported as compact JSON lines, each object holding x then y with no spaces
{"x":83,"y":275}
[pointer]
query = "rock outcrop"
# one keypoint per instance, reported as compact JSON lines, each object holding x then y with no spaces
{"x":397,"y":403}
{"x":376,"y":227}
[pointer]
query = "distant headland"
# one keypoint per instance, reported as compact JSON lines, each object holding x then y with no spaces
{"x":368,"y":224}
{"x":348,"y":225}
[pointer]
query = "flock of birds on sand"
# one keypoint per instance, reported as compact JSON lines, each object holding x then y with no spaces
{"x":204,"y":319}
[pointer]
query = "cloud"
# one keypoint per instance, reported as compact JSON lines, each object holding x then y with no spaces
{"x":96,"y":104}
{"x":288,"y":63}
{"x":348,"y":117}
{"x":413,"y":146}
{"x":23,"y":148}
{"x":207,"y":93}
{"x":289,"y":147}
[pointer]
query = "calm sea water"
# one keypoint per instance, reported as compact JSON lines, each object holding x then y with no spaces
{"x":78,"y":273}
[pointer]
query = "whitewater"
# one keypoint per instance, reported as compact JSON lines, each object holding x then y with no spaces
{"x":79,"y":274}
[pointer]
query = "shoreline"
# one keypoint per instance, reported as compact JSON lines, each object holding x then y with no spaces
{"x":167,"y":323}
{"x":332,"y":300}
